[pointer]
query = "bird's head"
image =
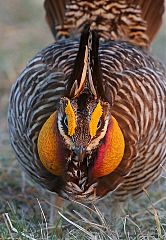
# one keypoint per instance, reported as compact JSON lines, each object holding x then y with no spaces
{"x":81,"y":142}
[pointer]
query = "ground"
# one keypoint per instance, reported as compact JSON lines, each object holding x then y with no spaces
{"x":24,"y":206}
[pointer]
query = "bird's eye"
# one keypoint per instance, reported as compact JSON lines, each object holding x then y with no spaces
{"x":99,"y":124}
{"x":65,"y":122}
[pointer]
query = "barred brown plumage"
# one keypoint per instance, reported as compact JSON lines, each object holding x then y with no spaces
{"x":87,"y":115}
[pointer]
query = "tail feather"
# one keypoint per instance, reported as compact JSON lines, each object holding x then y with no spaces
{"x":136,"y":21}
{"x":55,"y":11}
{"x":152,"y":12}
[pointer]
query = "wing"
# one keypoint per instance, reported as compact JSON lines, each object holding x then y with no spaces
{"x":135,"y":83}
{"x":33,"y":98}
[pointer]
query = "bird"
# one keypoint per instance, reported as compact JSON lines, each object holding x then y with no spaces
{"x":87,"y":115}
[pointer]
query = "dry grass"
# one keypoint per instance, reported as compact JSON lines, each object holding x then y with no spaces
{"x":25,"y":214}
{"x":26,"y":217}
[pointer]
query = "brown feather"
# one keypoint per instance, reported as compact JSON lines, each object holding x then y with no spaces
{"x":152,"y":12}
{"x":54,"y":13}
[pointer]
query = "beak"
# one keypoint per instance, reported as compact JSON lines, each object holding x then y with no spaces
{"x":80,"y":153}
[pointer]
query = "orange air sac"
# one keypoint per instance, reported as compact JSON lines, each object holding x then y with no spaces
{"x":50,"y":148}
{"x":111,"y":151}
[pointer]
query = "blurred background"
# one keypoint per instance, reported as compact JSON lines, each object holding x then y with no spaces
{"x":23,"y":32}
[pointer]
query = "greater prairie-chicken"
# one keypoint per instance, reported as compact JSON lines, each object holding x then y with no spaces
{"x":87,"y":115}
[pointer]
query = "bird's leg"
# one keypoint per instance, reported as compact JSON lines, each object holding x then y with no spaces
{"x":117,"y":211}
{"x":56,"y":203}
{"x":23,"y":182}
